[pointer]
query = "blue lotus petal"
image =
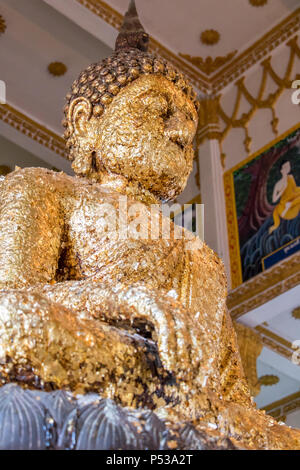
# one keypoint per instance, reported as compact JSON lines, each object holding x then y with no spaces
{"x":22,"y":420}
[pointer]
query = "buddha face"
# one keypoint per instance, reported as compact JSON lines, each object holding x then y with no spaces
{"x":144,"y":135}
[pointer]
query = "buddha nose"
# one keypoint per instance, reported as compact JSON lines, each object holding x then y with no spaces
{"x":180,"y":129}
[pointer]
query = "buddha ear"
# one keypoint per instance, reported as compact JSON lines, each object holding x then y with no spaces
{"x":79,"y":113}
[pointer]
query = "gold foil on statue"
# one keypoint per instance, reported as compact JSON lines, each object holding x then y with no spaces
{"x":87,"y":306}
{"x":250,"y":346}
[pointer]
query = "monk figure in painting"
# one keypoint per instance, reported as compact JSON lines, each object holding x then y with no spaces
{"x":87,"y":306}
{"x":289,"y":193}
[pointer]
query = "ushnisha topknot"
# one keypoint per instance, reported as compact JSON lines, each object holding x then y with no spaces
{"x":101,"y":81}
{"x":132,"y":33}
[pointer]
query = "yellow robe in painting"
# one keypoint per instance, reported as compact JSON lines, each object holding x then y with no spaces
{"x":290,"y":196}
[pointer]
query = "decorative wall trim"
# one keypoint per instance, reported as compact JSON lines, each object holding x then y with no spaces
{"x":212,"y":117}
{"x":258,"y":3}
{"x":209,"y":65}
{"x":2,"y":25}
{"x":279,"y":409}
{"x":104,"y":11}
{"x":209,"y":122}
{"x":268,"y":380}
{"x":271,"y":340}
{"x":264,"y":287}
{"x":296,"y":313}
{"x":230,"y":72}
{"x":57,"y":69}
{"x":241,"y":121}
{"x":32,"y":129}
{"x":257,"y":52}
{"x":210,"y":37}
{"x":276,"y":343}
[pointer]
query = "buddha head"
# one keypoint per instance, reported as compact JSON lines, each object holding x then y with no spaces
{"x":132,"y":118}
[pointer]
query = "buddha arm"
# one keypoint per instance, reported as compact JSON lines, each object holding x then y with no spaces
{"x":30,"y":229}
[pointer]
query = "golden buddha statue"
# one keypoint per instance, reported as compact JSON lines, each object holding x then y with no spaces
{"x":91,"y":303}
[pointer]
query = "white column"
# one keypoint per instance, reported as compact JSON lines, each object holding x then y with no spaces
{"x":212,"y":196}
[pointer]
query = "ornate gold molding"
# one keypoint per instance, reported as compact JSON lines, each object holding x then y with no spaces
{"x":264,"y":287}
{"x":195,"y":200}
{"x":2,"y":25}
{"x":256,"y":53}
{"x":32,"y":129}
{"x":264,"y":331}
{"x":251,"y":342}
{"x":104,"y":11}
{"x":230,"y":72}
{"x":260,"y":101}
{"x":209,"y":121}
{"x":296,"y":313}
{"x":272,"y":341}
{"x":209,"y":37}
{"x":209,"y":65}
{"x":279,"y":349}
{"x":283,"y":407}
{"x":57,"y":69}
{"x":276,"y":343}
{"x":268,"y":380}
{"x":258,"y":3}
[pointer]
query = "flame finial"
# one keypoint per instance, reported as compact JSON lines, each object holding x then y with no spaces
{"x":132,"y":33}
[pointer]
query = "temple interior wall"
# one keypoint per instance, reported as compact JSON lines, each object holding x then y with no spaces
{"x":260,"y":134}
{"x":12,"y":155}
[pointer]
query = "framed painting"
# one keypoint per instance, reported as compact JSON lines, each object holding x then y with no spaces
{"x":262,"y":196}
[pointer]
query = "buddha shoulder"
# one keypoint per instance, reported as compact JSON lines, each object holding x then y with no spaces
{"x":34,"y":183}
{"x":22,"y":179}
{"x":37,"y":184}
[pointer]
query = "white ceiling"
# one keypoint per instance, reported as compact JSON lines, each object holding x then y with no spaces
{"x":271,"y":363}
{"x":177,"y":24}
{"x":13,"y":155}
{"x":41,"y":31}
{"x":37,"y":35}
{"x":276,"y":317}
{"x":280,"y":305}
{"x":285,"y":325}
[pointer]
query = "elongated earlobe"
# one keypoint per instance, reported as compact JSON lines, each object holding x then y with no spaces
{"x":79,"y":113}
